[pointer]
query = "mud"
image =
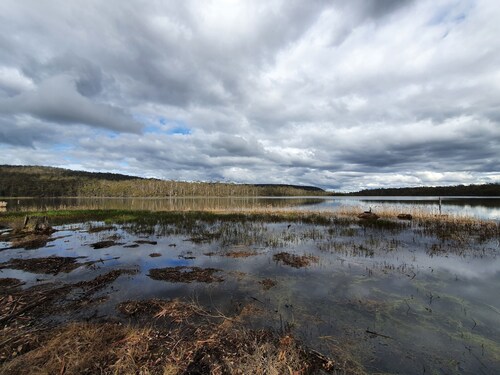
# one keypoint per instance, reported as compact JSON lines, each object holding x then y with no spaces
{"x":104,"y":244}
{"x":30,"y":241}
{"x":405,"y":217}
{"x":49,"y":265}
{"x":132,"y":246}
{"x":183,"y":274}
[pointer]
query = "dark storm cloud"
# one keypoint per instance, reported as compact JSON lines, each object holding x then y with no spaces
{"x":381,"y":8}
{"x":89,"y":76}
{"x":15,"y":136}
{"x":338,"y":94}
{"x":57,"y":100}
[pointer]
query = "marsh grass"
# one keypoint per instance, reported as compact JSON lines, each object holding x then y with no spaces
{"x":338,"y":215}
{"x":248,"y":227}
{"x":182,"y":338}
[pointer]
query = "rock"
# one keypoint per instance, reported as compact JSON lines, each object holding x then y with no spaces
{"x":405,"y":217}
{"x":368,"y":216}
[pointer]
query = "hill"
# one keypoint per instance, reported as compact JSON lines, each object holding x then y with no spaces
{"x":35,"y":181}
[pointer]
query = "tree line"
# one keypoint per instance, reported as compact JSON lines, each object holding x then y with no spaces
{"x":35,"y":181}
{"x":492,"y":190}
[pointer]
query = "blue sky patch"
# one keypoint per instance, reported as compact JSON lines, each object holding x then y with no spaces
{"x":159,"y":124}
{"x":179,"y":130}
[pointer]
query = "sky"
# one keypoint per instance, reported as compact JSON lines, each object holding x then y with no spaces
{"x":344,"y":95}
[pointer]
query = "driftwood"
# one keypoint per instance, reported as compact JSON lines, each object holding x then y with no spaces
{"x":373,"y":333}
{"x":38,"y":225}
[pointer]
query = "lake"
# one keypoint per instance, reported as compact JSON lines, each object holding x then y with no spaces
{"x":397,"y":297}
{"x":479,"y":207}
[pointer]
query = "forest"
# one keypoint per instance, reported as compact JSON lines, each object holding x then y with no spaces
{"x":485,"y":190}
{"x":35,"y":181}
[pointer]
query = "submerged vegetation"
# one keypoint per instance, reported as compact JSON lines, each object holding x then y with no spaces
{"x":264,"y":292}
{"x":182,"y":274}
{"x":296,"y":261}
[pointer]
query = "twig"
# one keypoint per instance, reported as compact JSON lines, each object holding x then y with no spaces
{"x":378,"y":334}
{"x":409,"y":308}
{"x":19,"y":312}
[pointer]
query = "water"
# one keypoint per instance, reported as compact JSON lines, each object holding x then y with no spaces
{"x":479,"y":207}
{"x":399,"y":299}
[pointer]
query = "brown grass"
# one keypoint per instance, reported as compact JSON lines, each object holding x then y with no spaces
{"x":49,"y":265}
{"x":241,"y":254}
{"x":296,"y":261}
{"x":195,"y":342}
{"x":82,"y":348}
{"x":267,"y":283}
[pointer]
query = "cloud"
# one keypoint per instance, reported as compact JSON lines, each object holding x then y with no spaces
{"x":344,"y":95}
{"x":13,"y":82}
{"x":57,"y":100}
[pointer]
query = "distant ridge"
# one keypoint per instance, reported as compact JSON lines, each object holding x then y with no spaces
{"x":55,"y":171}
{"x":484,"y":190}
{"x":40,"y":181}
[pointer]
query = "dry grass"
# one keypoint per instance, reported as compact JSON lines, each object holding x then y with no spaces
{"x":194,"y":342}
{"x":296,"y":261}
{"x":240,"y":252}
{"x":418,"y":213}
{"x":48,"y":265}
{"x":82,"y":348}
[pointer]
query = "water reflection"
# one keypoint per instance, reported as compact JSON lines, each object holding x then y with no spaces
{"x":431,"y":302}
{"x":480,"y":207}
{"x":155,"y":204}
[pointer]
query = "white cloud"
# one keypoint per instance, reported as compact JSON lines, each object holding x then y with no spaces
{"x":12,"y":81}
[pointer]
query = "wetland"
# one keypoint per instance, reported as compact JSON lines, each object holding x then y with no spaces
{"x":264,"y":291}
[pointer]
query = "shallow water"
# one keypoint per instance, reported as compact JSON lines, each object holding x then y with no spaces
{"x":478,"y":207}
{"x":398,"y":299}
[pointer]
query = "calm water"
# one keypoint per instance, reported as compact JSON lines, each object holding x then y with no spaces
{"x":479,"y":207}
{"x":399,"y":300}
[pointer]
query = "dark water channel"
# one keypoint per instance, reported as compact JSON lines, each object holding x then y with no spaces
{"x":397,"y":298}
